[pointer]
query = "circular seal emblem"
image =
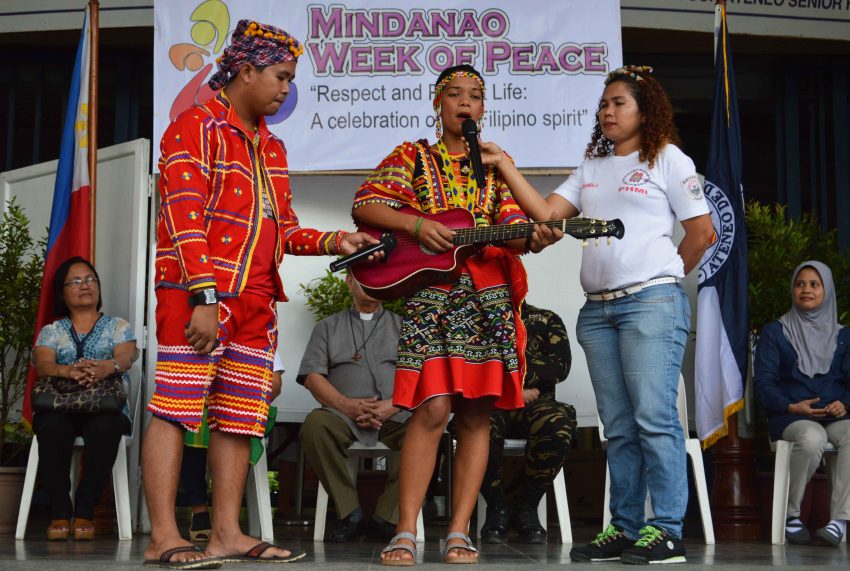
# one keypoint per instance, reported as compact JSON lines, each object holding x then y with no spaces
{"x":636,"y":177}
{"x":723,"y":219}
{"x":692,"y":187}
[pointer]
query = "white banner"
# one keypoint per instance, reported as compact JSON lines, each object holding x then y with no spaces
{"x":364,"y":83}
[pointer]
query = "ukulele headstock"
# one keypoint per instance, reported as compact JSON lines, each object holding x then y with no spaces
{"x":587,"y":228}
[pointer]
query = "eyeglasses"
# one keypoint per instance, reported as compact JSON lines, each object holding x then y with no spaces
{"x":77,"y":283}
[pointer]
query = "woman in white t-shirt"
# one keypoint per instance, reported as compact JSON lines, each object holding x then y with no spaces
{"x":634,"y":325}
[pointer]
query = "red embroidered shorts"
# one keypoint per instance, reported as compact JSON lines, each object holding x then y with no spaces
{"x":235,"y":380}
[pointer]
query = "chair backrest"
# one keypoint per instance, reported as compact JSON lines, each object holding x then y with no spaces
{"x":681,"y":406}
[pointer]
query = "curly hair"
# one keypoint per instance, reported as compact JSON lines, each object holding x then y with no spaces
{"x":656,"y":129}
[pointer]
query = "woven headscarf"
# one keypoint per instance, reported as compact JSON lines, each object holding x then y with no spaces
{"x":257,"y":44}
{"x":813,"y":333}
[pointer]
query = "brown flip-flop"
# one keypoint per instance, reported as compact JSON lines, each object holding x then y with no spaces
{"x":165,"y":561}
{"x":254,"y":555}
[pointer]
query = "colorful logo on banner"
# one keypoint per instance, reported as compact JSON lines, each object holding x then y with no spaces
{"x":209,"y":29}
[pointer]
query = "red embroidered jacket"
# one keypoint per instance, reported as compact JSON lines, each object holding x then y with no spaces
{"x":211,"y":177}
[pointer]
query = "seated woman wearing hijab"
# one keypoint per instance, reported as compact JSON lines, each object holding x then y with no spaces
{"x":802,"y":379}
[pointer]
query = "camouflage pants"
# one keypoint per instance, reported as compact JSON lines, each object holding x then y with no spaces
{"x":548,"y":427}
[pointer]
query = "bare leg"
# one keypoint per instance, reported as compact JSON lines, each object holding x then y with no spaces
{"x":229,"y":456}
{"x":161,"y":457}
{"x":472,"y":421}
{"x":418,"y":456}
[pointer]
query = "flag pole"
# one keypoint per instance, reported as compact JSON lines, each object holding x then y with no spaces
{"x":719,"y":5}
{"x":94,"y":11}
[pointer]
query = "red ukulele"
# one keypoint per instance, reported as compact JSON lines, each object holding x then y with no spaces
{"x":410,"y":266}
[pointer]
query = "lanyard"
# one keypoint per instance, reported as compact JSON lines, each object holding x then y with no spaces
{"x":81,"y":344}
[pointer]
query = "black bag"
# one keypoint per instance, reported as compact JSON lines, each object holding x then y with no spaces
{"x":68,"y":395}
{"x":55,"y":393}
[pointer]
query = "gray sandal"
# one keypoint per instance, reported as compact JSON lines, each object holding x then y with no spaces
{"x":395,"y":545}
{"x":466,"y":546}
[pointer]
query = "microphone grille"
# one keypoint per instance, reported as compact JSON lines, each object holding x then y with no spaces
{"x":469,"y":126}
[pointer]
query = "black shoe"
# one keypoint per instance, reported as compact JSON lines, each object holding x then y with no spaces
{"x":608,"y":546}
{"x":830,"y":534}
{"x":495,"y":528}
{"x":352,"y":527}
{"x":526,"y":523}
{"x":796,"y":533}
{"x":381,"y":529}
{"x":654,"y":546}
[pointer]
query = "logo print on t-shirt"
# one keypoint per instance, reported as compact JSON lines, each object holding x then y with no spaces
{"x":637,"y":177}
{"x":692,"y":187}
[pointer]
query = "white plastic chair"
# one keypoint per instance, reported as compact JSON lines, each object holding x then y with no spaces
{"x":120,"y":483}
{"x":355,"y":452}
{"x":120,"y":476}
{"x":694,"y":450}
{"x":259,"y":500}
{"x":781,"y":483}
{"x":516,"y":447}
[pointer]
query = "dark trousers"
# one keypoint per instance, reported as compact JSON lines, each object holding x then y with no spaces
{"x":56,"y":432}
{"x":548,"y":427}
{"x":193,"y":477}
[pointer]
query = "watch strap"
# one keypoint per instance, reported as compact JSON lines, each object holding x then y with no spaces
{"x":208,"y":296}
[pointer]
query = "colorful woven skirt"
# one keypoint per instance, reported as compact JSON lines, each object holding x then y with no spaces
{"x":462,"y":339}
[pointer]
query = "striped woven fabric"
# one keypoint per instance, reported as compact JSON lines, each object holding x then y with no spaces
{"x":212,"y":175}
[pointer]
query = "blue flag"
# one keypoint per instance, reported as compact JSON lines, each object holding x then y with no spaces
{"x":722,"y":316}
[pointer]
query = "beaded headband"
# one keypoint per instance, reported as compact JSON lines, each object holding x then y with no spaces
{"x":293,"y":45}
{"x":438,"y":90}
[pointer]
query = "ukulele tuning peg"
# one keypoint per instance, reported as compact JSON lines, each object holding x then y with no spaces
{"x":609,"y":240}
{"x":583,"y":243}
{"x":597,"y":241}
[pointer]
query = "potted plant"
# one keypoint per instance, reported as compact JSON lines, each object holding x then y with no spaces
{"x":21,"y":266}
{"x":328,"y":294}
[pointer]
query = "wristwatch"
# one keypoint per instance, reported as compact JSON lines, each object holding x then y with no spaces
{"x":206,"y":296}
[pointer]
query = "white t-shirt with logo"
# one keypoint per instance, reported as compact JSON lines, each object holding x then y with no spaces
{"x":648,"y":201}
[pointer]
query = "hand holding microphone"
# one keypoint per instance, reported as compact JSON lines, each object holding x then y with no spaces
{"x":385,"y":245}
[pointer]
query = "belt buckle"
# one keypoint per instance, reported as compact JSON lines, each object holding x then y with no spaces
{"x":612,"y":295}
{"x":632,"y":289}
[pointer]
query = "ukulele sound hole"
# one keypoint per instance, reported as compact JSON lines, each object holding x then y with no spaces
{"x":425,"y":250}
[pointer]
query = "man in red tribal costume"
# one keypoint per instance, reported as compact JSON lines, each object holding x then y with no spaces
{"x":225,"y":222}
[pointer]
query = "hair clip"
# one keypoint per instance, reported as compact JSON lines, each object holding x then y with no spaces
{"x":632,"y":71}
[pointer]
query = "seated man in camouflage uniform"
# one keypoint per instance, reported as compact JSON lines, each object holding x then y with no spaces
{"x":546,"y":424}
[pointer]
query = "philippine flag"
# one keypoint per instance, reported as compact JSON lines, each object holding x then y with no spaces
{"x":722,"y":317}
{"x":70,"y":219}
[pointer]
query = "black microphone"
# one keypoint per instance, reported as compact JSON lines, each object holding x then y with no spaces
{"x":470,"y":133}
{"x":386,"y":245}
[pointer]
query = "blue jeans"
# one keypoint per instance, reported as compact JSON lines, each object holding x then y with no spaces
{"x":634,"y":348}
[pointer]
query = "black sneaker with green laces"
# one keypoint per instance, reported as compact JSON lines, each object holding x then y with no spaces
{"x":607,"y":546}
{"x":654,"y":546}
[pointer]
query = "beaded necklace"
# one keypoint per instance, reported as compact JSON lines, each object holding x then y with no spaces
{"x":460,"y":198}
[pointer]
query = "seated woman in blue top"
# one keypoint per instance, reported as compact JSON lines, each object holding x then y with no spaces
{"x":108,"y":346}
{"x":802,"y":379}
